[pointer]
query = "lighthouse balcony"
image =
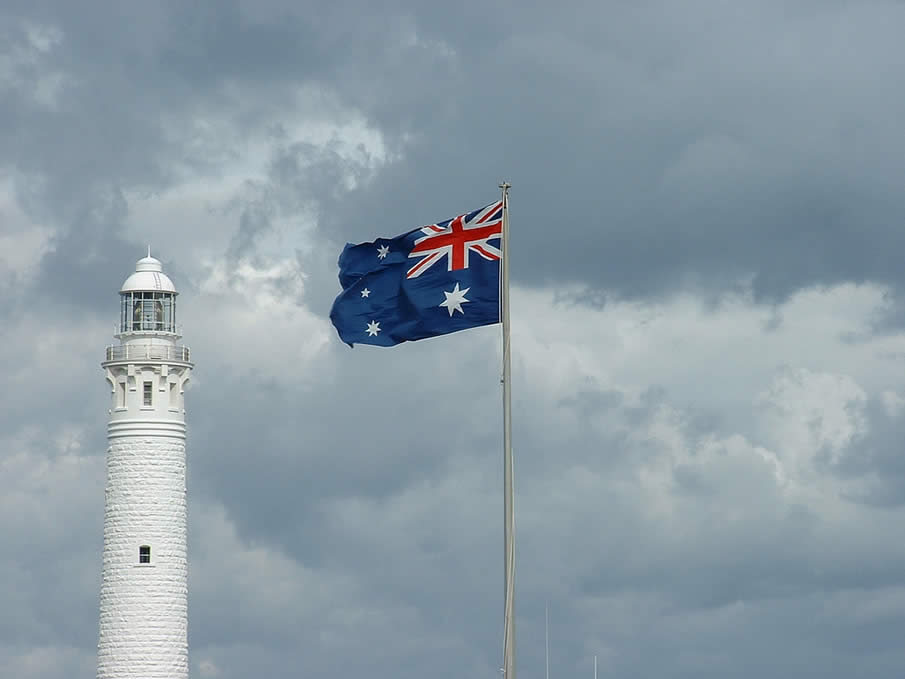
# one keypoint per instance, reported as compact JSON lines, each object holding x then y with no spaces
{"x":139,"y":352}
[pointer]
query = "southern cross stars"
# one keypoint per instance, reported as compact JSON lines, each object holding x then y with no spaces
{"x":455,"y":299}
{"x":382,"y":251}
{"x":373,"y":328}
{"x":365,"y":293}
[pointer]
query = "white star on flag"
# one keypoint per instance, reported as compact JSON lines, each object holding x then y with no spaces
{"x":382,"y":251}
{"x":365,"y":292}
{"x":373,"y":328}
{"x":454,"y":300}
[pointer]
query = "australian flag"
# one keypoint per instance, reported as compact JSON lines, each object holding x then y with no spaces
{"x":430,"y":281}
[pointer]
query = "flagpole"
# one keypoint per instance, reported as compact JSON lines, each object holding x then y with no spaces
{"x":508,"y":498}
{"x":547,"y":639}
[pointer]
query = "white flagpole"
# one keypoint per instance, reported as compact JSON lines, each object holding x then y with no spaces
{"x":547,"y":639}
{"x":508,"y":498}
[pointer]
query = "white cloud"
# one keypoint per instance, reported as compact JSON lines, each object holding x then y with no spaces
{"x":892,"y":402}
{"x":715,"y":359}
{"x":809,"y":413}
{"x":270,"y":331}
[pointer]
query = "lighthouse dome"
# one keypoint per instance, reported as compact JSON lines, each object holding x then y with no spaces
{"x":148,"y":277}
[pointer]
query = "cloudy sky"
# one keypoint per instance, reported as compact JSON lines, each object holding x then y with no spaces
{"x":708,"y":330}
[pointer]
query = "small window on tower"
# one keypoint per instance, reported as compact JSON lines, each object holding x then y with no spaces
{"x":120,"y":394}
{"x":144,"y":554}
{"x":148,"y":393}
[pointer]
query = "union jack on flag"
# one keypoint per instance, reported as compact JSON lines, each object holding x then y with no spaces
{"x":455,"y":238}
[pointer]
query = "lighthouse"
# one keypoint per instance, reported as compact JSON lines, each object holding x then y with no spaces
{"x":143,"y":631}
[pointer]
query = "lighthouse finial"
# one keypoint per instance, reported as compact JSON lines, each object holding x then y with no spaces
{"x":149,"y":249}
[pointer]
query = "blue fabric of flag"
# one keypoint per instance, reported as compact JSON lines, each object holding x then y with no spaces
{"x":430,"y":281}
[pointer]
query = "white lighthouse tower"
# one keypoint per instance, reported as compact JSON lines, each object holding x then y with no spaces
{"x":144,"y":589}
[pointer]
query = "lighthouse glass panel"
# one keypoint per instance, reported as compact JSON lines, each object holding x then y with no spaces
{"x":148,"y":312}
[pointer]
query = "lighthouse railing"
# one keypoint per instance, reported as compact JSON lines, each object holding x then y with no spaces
{"x":161,"y":352}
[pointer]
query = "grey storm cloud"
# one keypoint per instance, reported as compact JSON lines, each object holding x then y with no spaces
{"x":647,"y":143}
{"x":706,"y":212}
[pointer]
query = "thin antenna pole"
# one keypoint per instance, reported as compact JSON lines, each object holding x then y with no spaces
{"x":595,"y":667}
{"x":508,"y":498}
{"x":547,"y":638}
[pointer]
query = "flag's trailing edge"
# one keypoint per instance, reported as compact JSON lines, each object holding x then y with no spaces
{"x":431,"y":281}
